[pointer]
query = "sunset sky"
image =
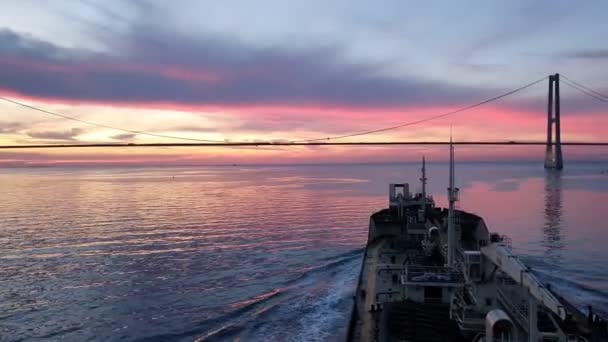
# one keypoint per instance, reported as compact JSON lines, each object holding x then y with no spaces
{"x":286,"y":70}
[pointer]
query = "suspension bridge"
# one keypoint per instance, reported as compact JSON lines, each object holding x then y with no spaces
{"x":553,"y":153}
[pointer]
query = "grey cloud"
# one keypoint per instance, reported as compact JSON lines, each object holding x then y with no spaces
{"x":248,"y":75}
{"x":56,"y":135}
{"x":11,"y":127}
{"x":15,"y":45}
{"x":595,"y":54}
{"x":125,"y":136}
{"x":519,"y":22}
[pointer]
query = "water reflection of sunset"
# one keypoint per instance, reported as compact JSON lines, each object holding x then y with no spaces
{"x":102,"y":232}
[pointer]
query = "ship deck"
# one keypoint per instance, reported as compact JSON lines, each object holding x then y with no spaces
{"x":366,"y":326}
{"x":412,"y":278}
{"x":379,"y":282}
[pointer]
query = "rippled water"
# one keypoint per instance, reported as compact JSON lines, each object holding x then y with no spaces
{"x":256,"y":253}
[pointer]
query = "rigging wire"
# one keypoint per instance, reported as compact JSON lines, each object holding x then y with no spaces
{"x":425,"y":119}
{"x":106,"y":126}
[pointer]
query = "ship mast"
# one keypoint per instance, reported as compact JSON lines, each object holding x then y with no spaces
{"x":452,"y":198}
{"x":423,"y":180}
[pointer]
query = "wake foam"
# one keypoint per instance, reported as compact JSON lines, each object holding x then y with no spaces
{"x":315,"y":306}
{"x":578,"y":294}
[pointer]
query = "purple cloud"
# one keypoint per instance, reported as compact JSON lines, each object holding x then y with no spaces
{"x":157,"y":66}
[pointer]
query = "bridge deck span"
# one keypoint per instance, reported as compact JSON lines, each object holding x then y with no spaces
{"x":262,"y":144}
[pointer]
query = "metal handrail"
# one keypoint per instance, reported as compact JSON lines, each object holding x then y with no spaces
{"x":478,"y":337}
{"x":518,"y":314}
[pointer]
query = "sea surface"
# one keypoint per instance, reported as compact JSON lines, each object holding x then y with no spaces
{"x":256,"y":253}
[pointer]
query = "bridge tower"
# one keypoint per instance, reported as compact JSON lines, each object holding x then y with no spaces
{"x":553,"y":155}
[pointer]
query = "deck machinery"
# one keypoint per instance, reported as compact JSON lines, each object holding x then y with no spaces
{"x":433,"y":274}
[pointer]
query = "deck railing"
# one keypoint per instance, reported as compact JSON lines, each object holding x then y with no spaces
{"x":520,"y":314}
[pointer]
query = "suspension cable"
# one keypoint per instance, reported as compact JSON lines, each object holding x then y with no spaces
{"x":426,"y":119}
{"x":105,"y":126}
{"x":297,"y":141}
{"x":582,"y":90}
{"x":586,"y":88}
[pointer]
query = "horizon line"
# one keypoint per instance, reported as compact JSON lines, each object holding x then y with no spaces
{"x":361,"y":163}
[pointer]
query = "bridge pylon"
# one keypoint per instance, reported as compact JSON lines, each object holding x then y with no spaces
{"x":553,"y":154}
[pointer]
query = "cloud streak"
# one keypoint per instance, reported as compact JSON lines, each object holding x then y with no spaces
{"x":595,"y":54}
{"x":11,"y":127}
{"x":159,"y":66}
{"x":70,"y":134}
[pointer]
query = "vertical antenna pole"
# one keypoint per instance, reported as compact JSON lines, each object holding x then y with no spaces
{"x":423,"y":180}
{"x":452,"y":200}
